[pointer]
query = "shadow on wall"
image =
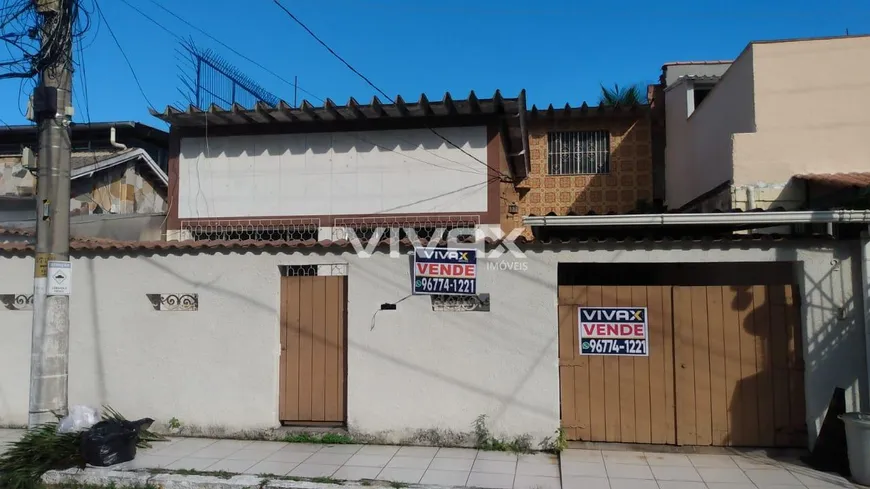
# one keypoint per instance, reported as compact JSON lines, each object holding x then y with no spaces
{"x":767,"y":406}
{"x":837,"y":337}
{"x":404,"y":361}
{"x":341,"y":143}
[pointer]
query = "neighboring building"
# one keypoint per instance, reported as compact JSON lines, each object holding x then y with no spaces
{"x":313,"y":173}
{"x":584,"y":160}
{"x":118,"y":186}
{"x":780,"y":114}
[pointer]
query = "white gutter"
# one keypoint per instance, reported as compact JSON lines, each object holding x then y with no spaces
{"x":703,"y":219}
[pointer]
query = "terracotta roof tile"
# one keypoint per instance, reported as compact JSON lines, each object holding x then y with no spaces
{"x":17,"y":232}
{"x":856,"y":179}
{"x":135,"y":247}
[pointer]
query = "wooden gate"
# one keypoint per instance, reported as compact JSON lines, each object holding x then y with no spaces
{"x":617,"y":399}
{"x":740,"y":372}
{"x":724,"y":368}
{"x":313,"y":360}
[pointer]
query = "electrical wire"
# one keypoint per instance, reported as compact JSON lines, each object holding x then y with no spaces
{"x":84,"y":86}
{"x":124,"y":54}
{"x":465,"y":168}
{"x":371,"y":84}
{"x":225,"y":45}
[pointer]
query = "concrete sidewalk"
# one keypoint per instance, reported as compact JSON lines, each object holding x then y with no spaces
{"x":595,"y":469}
{"x":411,"y":465}
{"x":458,"y":467}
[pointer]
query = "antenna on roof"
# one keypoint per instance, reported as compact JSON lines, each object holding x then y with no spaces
{"x":209,"y":79}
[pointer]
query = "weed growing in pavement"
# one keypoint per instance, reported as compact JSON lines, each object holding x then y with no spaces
{"x":325,"y":438}
{"x":326,"y":480}
{"x":486,"y":441}
{"x":222,"y":474}
{"x":174,"y":424}
{"x":555,"y":445}
{"x":78,"y":485}
{"x":398,"y":485}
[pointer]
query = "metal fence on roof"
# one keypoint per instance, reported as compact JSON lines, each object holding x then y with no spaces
{"x":208,"y":79}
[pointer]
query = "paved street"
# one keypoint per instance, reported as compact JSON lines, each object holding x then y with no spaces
{"x":575,"y":469}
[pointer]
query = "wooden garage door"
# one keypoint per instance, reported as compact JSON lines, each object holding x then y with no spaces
{"x":312,"y":368}
{"x":724,"y":368}
{"x":617,"y":399}
{"x":739,"y":366}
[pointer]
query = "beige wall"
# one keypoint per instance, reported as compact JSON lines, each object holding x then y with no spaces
{"x":782,"y":109}
{"x":812,"y":111}
{"x":698,"y":153}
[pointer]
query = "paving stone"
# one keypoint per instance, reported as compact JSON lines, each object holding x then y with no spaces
{"x":490,"y":481}
{"x":410,"y":476}
{"x":445,"y":477}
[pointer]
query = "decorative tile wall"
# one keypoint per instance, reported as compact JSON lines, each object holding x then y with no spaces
{"x":629,"y":182}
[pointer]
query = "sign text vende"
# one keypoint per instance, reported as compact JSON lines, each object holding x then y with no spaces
{"x":613,"y":330}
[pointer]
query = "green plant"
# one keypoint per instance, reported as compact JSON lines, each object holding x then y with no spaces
{"x":222,"y":474}
{"x":365,"y":482}
{"x":484,"y":440}
{"x":326,"y":480}
{"x":174,"y":424}
{"x":555,"y":445}
{"x":622,"y":96}
{"x":397,"y":485}
{"x":326,"y":438}
{"x":40,"y":449}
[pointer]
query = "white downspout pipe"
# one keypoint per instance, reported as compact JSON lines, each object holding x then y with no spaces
{"x":113,"y":141}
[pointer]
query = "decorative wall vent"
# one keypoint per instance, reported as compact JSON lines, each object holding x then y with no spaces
{"x":327,"y":270}
{"x":174,"y":302}
{"x":461,"y":303}
{"x":17,"y":302}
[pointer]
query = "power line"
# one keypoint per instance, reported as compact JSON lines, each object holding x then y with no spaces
{"x":465,"y":168}
{"x":225,"y":45}
{"x":84,"y":84}
{"x":158,"y":24}
{"x":117,"y":43}
{"x":370,"y":83}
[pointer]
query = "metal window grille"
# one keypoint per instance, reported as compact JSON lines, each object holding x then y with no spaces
{"x":578,"y":153}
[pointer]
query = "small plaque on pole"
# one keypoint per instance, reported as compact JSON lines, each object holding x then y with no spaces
{"x":59,"y":278}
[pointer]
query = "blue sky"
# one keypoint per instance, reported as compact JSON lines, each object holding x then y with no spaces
{"x":558,"y":50}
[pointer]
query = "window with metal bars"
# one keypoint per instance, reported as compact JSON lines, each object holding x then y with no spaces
{"x":578,"y":153}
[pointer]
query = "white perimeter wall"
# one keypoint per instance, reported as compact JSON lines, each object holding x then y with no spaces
{"x":403,"y":171}
{"x":409,"y":369}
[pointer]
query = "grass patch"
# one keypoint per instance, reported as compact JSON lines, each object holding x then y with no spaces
{"x":317,"y":438}
{"x":398,"y":485}
{"x":221,"y":474}
{"x":77,"y":485}
{"x":326,"y":480}
{"x":486,"y":441}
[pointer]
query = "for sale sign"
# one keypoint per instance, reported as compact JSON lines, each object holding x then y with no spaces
{"x":613,"y":331}
{"x":445,"y":271}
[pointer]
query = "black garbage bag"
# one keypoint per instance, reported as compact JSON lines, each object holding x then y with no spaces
{"x":112,"y":441}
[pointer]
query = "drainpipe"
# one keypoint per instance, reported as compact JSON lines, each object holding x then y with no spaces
{"x":112,"y":140}
{"x":865,"y":291}
{"x":750,"y":201}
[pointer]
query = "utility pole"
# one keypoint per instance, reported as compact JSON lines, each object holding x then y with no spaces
{"x":52,"y":110}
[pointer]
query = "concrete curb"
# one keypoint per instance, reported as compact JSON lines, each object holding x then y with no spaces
{"x":123,"y":478}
